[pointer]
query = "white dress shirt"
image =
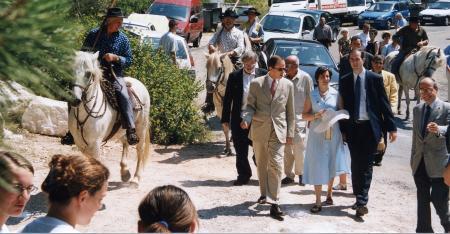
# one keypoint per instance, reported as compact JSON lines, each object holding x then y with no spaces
{"x":362,"y":100}
{"x":247,"y":78}
{"x":364,"y":39}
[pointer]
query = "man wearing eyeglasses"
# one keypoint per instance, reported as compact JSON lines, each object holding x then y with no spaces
{"x":234,"y":102}
{"x":429,"y":156}
{"x":391,"y":88}
{"x":270,"y":111}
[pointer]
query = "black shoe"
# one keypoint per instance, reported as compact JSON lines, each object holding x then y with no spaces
{"x":276,"y":213}
{"x":300,"y":180}
{"x":240,"y":182}
{"x":354,"y":206}
{"x":377,"y":164}
{"x":262,"y":200}
{"x":67,"y":139}
{"x":361,"y":211}
{"x":287,"y":180}
{"x":132,"y":138}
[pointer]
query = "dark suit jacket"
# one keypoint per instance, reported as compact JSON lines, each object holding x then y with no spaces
{"x":378,"y":107}
{"x":345,"y":67}
{"x":232,"y":102}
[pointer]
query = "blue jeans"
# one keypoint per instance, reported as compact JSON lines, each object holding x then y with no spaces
{"x":126,"y":110}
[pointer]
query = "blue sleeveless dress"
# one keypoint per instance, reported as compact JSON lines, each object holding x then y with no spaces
{"x":324,"y":159}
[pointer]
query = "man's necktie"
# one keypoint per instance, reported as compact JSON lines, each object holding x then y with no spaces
{"x":357,"y":96}
{"x":425,"y":119}
{"x":273,"y":87}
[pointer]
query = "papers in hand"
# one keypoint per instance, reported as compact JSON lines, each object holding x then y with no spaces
{"x":330,"y":117}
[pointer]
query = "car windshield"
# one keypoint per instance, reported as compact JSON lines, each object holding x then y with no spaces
{"x":240,"y":10}
{"x":314,"y":14}
{"x":381,"y":7}
{"x":169,"y":10}
{"x":283,"y":1}
{"x":278,"y":23}
{"x":153,"y":41}
{"x":440,"y":5}
{"x":308,"y":54}
{"x":353,"y":3}
{"x":181,"y":52}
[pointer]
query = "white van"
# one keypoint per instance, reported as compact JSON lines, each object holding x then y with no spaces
{"x":336,"y":7}
{"x":356,"y":7}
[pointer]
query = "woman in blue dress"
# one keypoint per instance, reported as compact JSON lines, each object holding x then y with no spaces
{"x":325,"y":155}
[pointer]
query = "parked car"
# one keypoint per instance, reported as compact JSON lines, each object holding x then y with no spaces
{"x":437,"y":13}
{"x":188,"y":13}
{"x":288,"y":25}
{"x":381,"y":14}
{"x":311,"y":54}
{"x":332,"y":21}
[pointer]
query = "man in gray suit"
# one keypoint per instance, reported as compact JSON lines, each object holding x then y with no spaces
{"x":270,"y":110}
{"x":429,"y":156}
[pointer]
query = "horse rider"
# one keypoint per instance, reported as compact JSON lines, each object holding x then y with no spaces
{"x":411,"y":37}
{"x":114,"y":55}
{"x":229,"y":41}
{"x":253,"y":28}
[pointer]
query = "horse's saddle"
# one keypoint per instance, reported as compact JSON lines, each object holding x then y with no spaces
{"x":108,"y":90}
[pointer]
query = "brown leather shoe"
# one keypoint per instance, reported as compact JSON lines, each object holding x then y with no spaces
{"x":361,"y":211}
{"x":287,"y":180}
{"x":262,"y":200}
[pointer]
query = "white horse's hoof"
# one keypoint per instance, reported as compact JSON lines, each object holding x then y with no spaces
{"x":125,"y":175}
{"x":134,"y":182}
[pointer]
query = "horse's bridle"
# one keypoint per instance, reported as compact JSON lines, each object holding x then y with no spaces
{"x":211,"y":86}
{"x":90,"y":111}
{"x":427,"y":68}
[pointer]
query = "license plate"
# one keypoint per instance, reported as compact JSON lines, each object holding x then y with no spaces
{"x":427,"y":18}
{"x":369,"y":21}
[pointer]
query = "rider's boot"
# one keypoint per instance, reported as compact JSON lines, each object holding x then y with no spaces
{"x":67,"y":139}
{"x":132,"y":137}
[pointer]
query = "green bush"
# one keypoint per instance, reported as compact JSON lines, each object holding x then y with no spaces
{"x":174,"y":117}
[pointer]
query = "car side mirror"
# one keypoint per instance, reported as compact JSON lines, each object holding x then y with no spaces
{"x":193,"y":19}
{"x":306,"y":32}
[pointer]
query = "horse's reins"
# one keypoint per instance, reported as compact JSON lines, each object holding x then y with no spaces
{"x":428,"y":67}
{"x":90,"y":111}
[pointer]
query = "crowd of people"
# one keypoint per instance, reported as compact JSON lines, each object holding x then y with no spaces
{"x":281,"y":114}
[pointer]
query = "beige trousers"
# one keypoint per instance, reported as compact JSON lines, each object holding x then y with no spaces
{"x":294,"y":155}
{"x":269,"y":158}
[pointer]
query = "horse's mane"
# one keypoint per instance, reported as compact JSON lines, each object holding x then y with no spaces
{"x":88,"y":62}
{"x":440,"y":56}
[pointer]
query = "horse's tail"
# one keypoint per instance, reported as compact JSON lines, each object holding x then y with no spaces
{"x":147,"y":146}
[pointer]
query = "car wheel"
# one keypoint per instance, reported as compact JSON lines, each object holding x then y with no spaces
{"x":445,"y":21}
{"x":388,"y":24}
{"x":196,"y":43}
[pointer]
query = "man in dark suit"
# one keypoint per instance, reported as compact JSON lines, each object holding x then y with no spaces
{"x":344,"y":63}
{"x":363,"y":95}
{"x":234,"y":101}
{"x":429,"y":156}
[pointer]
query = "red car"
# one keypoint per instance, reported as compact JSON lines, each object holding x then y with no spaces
{"x":188,"y":14}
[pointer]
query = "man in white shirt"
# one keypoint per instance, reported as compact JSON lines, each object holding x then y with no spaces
{"x":364,"y":35}
{"x":294,"y":154}
{"x":168,"y":42}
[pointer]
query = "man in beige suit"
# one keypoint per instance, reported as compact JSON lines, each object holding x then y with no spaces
{"x":270,"y":111}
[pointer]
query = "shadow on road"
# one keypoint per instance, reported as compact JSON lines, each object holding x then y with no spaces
{"x":213,"y":183}
{"x":195,"y":151}
{"x":324,"y":193}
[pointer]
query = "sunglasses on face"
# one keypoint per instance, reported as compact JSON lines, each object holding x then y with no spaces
{"x":20,"y":189}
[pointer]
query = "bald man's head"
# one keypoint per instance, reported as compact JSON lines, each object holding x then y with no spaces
{"x":292,"y":63}
{"x":428,"y":90}
{"x":429,"y":81}
{"x":292,"y":59}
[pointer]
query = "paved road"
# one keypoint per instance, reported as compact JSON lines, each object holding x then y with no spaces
{"x":398,"y":154}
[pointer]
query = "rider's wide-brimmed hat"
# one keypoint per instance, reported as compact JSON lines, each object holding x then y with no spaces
{"x":229,"y":13}
{"x":251,"y":10}
{"x":114,"y":12}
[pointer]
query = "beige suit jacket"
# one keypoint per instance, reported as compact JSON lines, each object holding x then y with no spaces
{"x":432,"y":147}
{"x":391,"y":87}
{"x":263,"y":111}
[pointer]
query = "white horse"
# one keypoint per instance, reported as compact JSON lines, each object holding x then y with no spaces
{"x":92,"y":121}
{"x":421,"y":64}
{"x":218,"y":67}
